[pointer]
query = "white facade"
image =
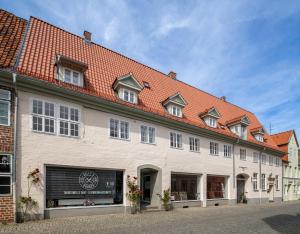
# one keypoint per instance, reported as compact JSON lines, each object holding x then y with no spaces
{"x":96,"y":149}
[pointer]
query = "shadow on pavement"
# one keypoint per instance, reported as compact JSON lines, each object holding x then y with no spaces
{"x":284,"y":223}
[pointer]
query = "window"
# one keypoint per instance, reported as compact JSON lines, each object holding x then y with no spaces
{"x":5,"y":174}
{"x":128,"y":95}
{"x":254,"y":181}
{"x":243,"y":132}
{"x":270,"y":160}
{"x":119,"y":129}
{"x":227,"y":151}
{"x":259,"y":137}
{"x":176,"y":111}
{"x":263,"y":159}
{"x":72,"y":77}
{"x":263,"y":181}
{"x":255,"y":157}
{"x":277,"y":182}
{"x":194,"y":144}
{"x":43,"y":116}
{"x":243,"y":155}
{"x":175,"y":140}
{"x":4,"y":107}
{"x":214,"y":148}
{"x":68,"y":121}
{"x":147,"y":134}
{"x":216,"y":187}
{"x":184,"y":187}
{"x":210,"y":121}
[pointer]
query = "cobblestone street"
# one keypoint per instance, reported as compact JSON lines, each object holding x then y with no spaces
{"x":271,"y":218}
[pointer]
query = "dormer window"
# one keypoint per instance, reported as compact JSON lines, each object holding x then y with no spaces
{"x":175,"y":104}
{"x":258,"y":133}
{"x":72,"y":77}
{"x":239,"y":126}
{"x":210,"y":117}
{"x":176,"y":111}
{"x":127,"y":88}
{"x":70,"y":71}
{"x":128,"y":95}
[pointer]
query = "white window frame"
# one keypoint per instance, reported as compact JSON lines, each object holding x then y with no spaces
{"x":255,"y":157}
{"x":80,"y":76}
{"x":130,"y":93}
{"x":243,"y":154}
{"x":147,"y":135}
{"x":277,"y":182}
{"x":7,"y":174}
{"x":175,"y":110}
{"x":176,"y":140}
{"x":227,"y":151}
{"x":8,"y":102}
{"x":214,"y":148}
{"x":194,"y":143}
{"x":69,"y":121}
{"x":263,"y":182}
{"x":259,"y":137}
{"x":264,"y":159}
{"x":271,"y":160}
{"x":254,"y":181}
{"x":277,"y":161}
{"x":119,"y":130}
{"x":43,"y":116}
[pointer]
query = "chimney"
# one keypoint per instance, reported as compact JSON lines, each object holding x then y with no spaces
{"x":172,"y":75}
{"x":87,"y":36}
{"x":223,"y":98}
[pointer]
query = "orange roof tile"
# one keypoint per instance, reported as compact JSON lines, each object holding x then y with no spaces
{"x":44,"y":41}
{"x":282,"y":138}
{"x":12,"y":29}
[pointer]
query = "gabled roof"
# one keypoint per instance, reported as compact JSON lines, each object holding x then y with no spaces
{"x":129,"y":81}
{"x":258,"y":130}
{"x":176,"y":99}
{"x":282,"y":140}
{"x":44,"y":41}
{"x":12,"y":30}
{"x":241,"y":119}
{"x":210,"y":112}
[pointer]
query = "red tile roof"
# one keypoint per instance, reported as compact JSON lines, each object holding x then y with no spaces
{"x":282,"y":140}
{"x":45,"y":41}
{"x":12,"y":30}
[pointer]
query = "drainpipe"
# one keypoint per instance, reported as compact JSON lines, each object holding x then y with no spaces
{"x":15,"y":146}
{"x":260,"y":187}
{"x":233,"y":165}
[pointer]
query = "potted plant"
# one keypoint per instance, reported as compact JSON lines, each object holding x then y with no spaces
{"x":27,"y":203}
{"x":165,"y":198}
{"x":134,"y":193}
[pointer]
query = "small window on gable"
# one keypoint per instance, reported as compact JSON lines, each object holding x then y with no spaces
{"x":127,"y":88}
{"x":72,"y":77}
{"x":210,"y":117}
{"x":259,"y":137}
{"x":175,"y":104}
{"x":239,"y":126}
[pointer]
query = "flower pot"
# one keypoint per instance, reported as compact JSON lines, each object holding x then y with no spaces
{"x":133,"y":209}
{"x":168,"y":207}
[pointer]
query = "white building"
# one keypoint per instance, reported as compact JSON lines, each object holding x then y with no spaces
{"x":88,"y":117}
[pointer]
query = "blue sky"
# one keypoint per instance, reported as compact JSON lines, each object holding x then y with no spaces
{"x":247,"y":51}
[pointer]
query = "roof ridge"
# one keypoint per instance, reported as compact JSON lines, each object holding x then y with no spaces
{"x":291,"y":130}
{"x":1,"y":9}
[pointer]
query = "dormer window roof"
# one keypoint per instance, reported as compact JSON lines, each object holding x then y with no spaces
{"x":70,"y":71}
{"x":174,"y":104}
{"x":210,"y":117}
{"x":258,"y":133}
{"x":239,"y":126}
{"x":127,"y":88}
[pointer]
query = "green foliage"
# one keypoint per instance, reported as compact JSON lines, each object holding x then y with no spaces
{"x":134,"y":193}
{"x":165,"y":198}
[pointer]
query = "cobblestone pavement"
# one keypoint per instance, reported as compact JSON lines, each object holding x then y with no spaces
{"x":271,"y":218}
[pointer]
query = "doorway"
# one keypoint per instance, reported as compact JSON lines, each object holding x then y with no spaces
{"x":241,"y":192}
{"x":271,"y":193}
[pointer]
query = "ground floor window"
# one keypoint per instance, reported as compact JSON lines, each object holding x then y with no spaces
{"x":216,"y":187}
{"x":5,"y":174}
{"x":184,"y":187}
{"x":83,"y":187}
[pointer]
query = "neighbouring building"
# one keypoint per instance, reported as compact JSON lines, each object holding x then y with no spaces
{"x":288,"y":142}
{"x":88,"y":117}
{"x":12,"y":30}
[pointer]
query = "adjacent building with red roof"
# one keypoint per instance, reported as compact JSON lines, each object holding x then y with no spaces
{"x":12,"y":31}
{"x":287,"y":142}
{"x":89,"y":116}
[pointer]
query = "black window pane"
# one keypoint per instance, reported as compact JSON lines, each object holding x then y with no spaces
{"x":4,"y":180}
{"x":4,"y":190}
